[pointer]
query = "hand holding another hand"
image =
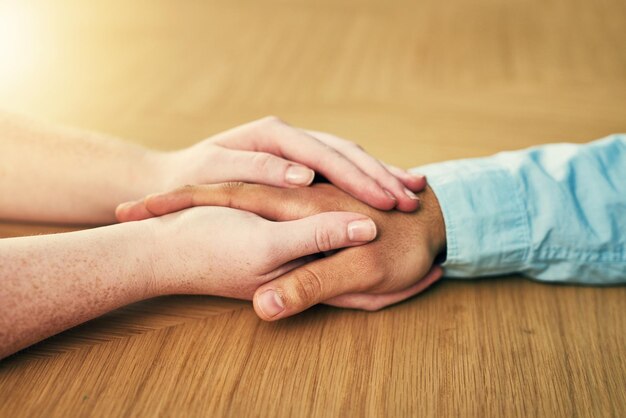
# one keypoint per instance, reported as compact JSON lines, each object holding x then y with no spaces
{"x":397,"y":265}
{"x":229,"y":252}
{"x":269,"y":151}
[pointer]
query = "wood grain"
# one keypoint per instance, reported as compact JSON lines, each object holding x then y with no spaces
{"x":412,"y":81}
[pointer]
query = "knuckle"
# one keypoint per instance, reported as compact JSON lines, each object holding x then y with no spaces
{"x":230,"y":190}
{"x":375,"y":267}
{"x":187,"y":191}
{"x":357,"y":146}
{"x":272,"y":120}
{"x":323,"y":239}
{"x":262,"y":162}
{"x":213,"y":152}
{"x":308,"y":287}
{"x":187,"y":188}
{"x":232,"y":186}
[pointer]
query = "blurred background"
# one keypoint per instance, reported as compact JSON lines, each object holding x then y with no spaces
{"x":414,"y":81}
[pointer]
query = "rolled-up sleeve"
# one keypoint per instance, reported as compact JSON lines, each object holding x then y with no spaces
{"x":555,"y":212}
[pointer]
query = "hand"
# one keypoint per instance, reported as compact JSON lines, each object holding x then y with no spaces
{"x":268,"y":151}
{"x":229,"y":252}
{"x":397,"y":265}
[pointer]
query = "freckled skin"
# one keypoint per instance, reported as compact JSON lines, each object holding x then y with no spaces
{"x":52,"y":282}
{"x":55,"y":174}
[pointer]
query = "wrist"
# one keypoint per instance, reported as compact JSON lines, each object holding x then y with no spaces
{"x":162,"y":256}
{"x":172,"y":169}
{"x":159,"y":170}
{"x":138,"y":251}
{"x":432,"y":219}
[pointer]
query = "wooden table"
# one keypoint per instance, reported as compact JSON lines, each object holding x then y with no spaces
{"x":414,"y":82}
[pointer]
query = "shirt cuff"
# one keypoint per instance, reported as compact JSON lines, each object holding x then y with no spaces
{"x":487,"y":229}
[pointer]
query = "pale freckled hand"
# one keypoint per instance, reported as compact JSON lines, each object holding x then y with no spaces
{"x":229,"y":252}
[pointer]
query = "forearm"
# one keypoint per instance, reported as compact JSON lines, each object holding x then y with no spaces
{"x":50,"y":283}
{"x":54,"y":174}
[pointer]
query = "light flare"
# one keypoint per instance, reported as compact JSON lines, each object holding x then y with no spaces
{"x":18,"y":39}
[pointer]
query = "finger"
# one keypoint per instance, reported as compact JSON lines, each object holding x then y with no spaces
{"x":414,"y":181}
{"x":276,"y":137}
{"x":132,"y":211}
{"x":269,"y":202}
{"x":260,"y":167}
{"x":311,"y":284}
{"x":407,"y":200}
{"x":374,"y":302}
{"x":159,"y":204}
{"x":256,"y":167}
{"x":318,"y":234}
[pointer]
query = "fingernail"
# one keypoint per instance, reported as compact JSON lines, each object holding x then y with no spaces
{"x":270,"y":303}
{"x":410,"y":194}
{"x":363,"y":230}
{"x":417,"y":177}
{"x":388,"y":193}
{"x":298,"y":175}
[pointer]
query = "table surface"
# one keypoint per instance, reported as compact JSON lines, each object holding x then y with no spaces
{"x":412,"y":81}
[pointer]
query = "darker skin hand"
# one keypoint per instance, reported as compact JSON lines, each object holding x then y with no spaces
{"x":394,"y":267}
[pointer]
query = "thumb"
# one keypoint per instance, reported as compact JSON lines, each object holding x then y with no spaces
{"x":319,"y":233}
{"x":313,"y":283}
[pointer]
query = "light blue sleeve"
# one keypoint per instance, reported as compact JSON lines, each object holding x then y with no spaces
{"x":554,"y":213}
